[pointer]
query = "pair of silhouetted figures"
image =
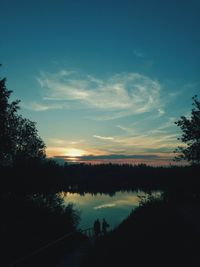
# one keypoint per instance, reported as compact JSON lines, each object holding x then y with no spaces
{"x":97,"y":227}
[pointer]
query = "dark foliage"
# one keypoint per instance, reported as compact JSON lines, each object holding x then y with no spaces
{"x":31,"y":214}
{"x":29,"y":222}
{"x":191,"y":135}
{"x":155,"y":234}
{"x":19,"y":139}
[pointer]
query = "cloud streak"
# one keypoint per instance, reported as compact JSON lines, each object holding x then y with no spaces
{"x":119,"y":95}
{"x":127,"y":201}
{"x":103,"y":137}
{"x":44,"y":106}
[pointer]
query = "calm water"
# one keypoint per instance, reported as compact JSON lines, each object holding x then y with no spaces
{"x":113,"y":208}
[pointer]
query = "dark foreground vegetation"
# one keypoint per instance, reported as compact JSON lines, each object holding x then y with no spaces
{"x":31,"y":221}
{"x":160,"y":232}
{"x":32,"y":216}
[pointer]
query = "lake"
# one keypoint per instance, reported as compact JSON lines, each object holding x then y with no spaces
{"x":113,"y":208}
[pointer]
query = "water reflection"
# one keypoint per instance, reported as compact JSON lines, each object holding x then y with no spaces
{"x":113,"y":208}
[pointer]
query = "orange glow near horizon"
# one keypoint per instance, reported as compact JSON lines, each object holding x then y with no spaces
{"x":75,"y":155}
{"x":75,"y":152}
{"x":65,"y":152}
{"x":72,"y":152}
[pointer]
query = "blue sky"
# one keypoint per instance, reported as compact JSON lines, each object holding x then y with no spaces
{"x":103,"y":77}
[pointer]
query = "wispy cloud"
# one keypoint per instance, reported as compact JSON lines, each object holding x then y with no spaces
{"x":64,"y":142}
{"x":120,"y":95}
{"x":35,"y":106}
{"x":165,"y":127}
{"x":106,"y":205}
{"x":161,"y":111}
{"x":145,"y":141}
{"x":127,"y":130}
{"x":126,"y":201}
{"x":138,"y":142}
{"x":103,"y":137}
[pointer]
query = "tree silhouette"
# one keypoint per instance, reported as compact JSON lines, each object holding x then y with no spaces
{"x":19,"y":139}
{"x":191,"y":135}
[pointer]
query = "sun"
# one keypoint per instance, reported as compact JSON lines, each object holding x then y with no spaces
{"x":74,"y":152}
{"x":69,"y":152}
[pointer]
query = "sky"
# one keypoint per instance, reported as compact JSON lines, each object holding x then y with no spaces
{"x":104,"y":80}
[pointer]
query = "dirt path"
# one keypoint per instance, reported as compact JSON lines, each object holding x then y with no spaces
{"x":190,"y":213}
{"x":75,"y":257}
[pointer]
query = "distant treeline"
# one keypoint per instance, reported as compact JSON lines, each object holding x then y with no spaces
{"x":108,"y":178}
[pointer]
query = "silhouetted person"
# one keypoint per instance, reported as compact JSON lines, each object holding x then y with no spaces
{"x":97,"y":227}
{"x":105,"y":225}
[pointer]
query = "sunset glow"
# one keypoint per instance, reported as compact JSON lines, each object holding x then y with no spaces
{"x":74,"y":152}
{"x":109,"y":89}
